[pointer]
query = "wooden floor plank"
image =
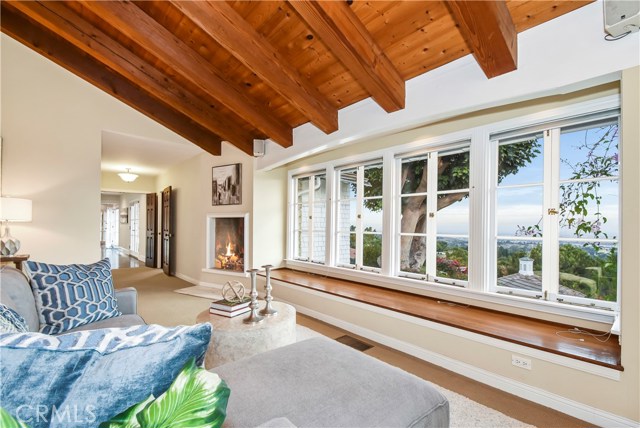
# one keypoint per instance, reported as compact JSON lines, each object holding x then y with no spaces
{"x":531,"y":332}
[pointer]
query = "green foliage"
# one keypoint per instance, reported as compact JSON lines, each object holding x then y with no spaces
{"x":8,"y":421}
{"x":197,"y":398}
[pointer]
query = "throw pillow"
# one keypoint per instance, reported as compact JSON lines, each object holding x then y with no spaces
{"x":68,"y":296}
{"x":83,"y":378}
{"x":11,"y":321}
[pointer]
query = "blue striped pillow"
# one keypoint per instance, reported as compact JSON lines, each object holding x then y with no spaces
{"x":68,"y":296}
{"x":11,"y":321}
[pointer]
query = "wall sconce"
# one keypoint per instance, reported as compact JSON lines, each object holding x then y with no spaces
{"x":14,"y":210}
{"x":128,"y":176}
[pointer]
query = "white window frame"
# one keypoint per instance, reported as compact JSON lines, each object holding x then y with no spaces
{"x":311,"y":202}
{"x":360,"y":199}
{"x":482,"y":211}
{"x":134,"y":228}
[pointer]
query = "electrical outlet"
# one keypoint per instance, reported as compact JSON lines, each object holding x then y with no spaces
{"x":521,"y":362}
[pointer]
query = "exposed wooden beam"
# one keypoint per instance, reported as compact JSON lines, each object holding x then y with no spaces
{"x":350,"y":41}
{"x":222,"y":23}
{"x":490,"y":33}
{"x":64,"y":22}
{"x":63,"y":53}
{"x":139,"y":27}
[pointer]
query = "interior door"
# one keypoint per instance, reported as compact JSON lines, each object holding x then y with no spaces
{"x":167,"y":233}
{"x":152,"y":224}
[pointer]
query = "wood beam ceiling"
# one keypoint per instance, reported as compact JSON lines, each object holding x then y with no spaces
{"x":488,"y":28}
{"x":349,"y":40}
{"x":65,"y":54}
{"x":176,"y":54}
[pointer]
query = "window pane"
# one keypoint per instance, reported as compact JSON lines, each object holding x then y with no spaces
{"x":319,"y":246}
{"x":452,"y":258}
{"x":303,"y":189}
{"x":453,"y":217}
{"x":320,"y":187}
{"x":373,"y":180}
{"x":372,"y":215}
{"x":587,"y":153}
{"x":347,"y":215}
{"x":413,"y":250}
{"x":589,"y":209}
{"x":301,"y":245}
{"x":519,"y":264}
{"x":372,"y":251}
{"x":302,"y":216}
{"x":521,"y":162}
{"x":589,"y":270}
{"x":348,"y":183}
{"x":519,"y":211}
{"x":413,"y":214}
{"x":346,"y":248}
{"x":319,"y":216}
{"x":453,"y":171}
{"x":414,"y":176}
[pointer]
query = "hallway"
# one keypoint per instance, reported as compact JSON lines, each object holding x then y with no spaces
{"x":120,"y":260}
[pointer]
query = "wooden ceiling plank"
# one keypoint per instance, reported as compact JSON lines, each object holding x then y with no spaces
{"x":223,"y":24}
{"x":50,"y":45}
{"x":348,"y":39}
{"x":488,"y":28}
{"x":174,"y":53}
{"x":64,"y":22}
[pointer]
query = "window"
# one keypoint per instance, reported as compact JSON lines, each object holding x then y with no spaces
{"x":310,"y":218}
{"x":134,"y":216}
{"x":433,"y":238}
{"x":557,"y":210}
{"x":359,"y":216}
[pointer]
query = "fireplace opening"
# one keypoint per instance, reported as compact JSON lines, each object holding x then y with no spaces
{"x":227,"y":244}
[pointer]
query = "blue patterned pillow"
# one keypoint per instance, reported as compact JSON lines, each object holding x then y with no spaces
{"x":11,"y":321}
{"x":81,"y":379}
{"x":68,"y":296}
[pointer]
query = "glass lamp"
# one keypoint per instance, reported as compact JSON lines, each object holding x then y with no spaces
{"x":12,"y":210}
{"x":128,"y":176}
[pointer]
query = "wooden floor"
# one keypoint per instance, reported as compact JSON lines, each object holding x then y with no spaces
{"x":119,"y":259}
{"x":543,"y":335}
{"x":515,"y":407}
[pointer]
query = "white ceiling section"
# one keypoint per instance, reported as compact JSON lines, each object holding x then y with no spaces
{"x":565,"y":54}
{"x":143,"y":156}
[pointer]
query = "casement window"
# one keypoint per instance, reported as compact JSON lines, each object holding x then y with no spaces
{"x":134,"y":216}
{"x":310,"y":218}
{"x":557,"y":212}
{"x":358,"y":237}
{"x":433,"y":212}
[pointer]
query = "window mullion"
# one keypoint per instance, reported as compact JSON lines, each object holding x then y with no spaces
{"x":388,"y":214}
{"x":312,"y":185}
{"x":359,"y":207}
{"x":550,"y":242}
{"x":330,"y":213}
{"x":432,"y":212}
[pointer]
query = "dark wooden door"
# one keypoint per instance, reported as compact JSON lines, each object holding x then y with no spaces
{"x":167,"y":233}
{"x":152,"y":226}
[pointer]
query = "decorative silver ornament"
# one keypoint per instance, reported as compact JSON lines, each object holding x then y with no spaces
{"x":233,"y":291}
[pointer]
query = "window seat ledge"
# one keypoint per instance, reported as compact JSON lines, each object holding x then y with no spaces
{"x":525,"y":331}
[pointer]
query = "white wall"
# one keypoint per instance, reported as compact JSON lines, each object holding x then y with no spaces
{"x":51,"y":128}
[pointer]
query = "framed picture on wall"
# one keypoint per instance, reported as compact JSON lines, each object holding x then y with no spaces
{"x":227,"y":184}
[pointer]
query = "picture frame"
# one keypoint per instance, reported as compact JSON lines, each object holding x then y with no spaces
{"x":226,"y":184}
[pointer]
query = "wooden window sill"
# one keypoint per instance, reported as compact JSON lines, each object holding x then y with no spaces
{"x":530,"y":332}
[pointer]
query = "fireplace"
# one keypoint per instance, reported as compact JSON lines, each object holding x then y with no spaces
{"x":227,"y":242}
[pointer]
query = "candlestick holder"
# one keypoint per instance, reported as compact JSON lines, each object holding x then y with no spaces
{"x":268,"y":310}
{"x":253,"y":317}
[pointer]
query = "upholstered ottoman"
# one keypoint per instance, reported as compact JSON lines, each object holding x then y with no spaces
{"x":322,"y":383}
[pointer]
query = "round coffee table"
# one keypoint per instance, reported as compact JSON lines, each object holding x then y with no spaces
{"x":232,"y":339}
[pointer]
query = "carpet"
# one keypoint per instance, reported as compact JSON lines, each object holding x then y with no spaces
{"x":204,"y":291}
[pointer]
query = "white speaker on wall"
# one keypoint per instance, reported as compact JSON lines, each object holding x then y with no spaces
{"x":259,"y":147}
{"x":621,"y":16}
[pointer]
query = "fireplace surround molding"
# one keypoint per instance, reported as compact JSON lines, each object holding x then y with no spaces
{"x":227,"y":244}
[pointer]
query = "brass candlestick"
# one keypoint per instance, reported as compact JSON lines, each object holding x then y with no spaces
{"x":268,"y":310}
{"x":253,"y":317}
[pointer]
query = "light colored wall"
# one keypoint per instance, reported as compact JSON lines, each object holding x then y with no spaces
{"x":613,"y":397}
{"x":51,"y":128}
{"x":111,"y":182}
{"x":191,"y":186}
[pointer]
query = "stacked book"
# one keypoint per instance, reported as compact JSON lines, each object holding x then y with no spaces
{"x":230,"y":309}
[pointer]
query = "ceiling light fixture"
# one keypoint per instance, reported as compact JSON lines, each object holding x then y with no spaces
{"x":128,"y":176}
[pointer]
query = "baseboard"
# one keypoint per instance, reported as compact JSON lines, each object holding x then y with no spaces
{"x":196,"y":282}
{"x":536,"y":395}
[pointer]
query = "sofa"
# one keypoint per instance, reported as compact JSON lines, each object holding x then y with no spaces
{"x":316,"y":382}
